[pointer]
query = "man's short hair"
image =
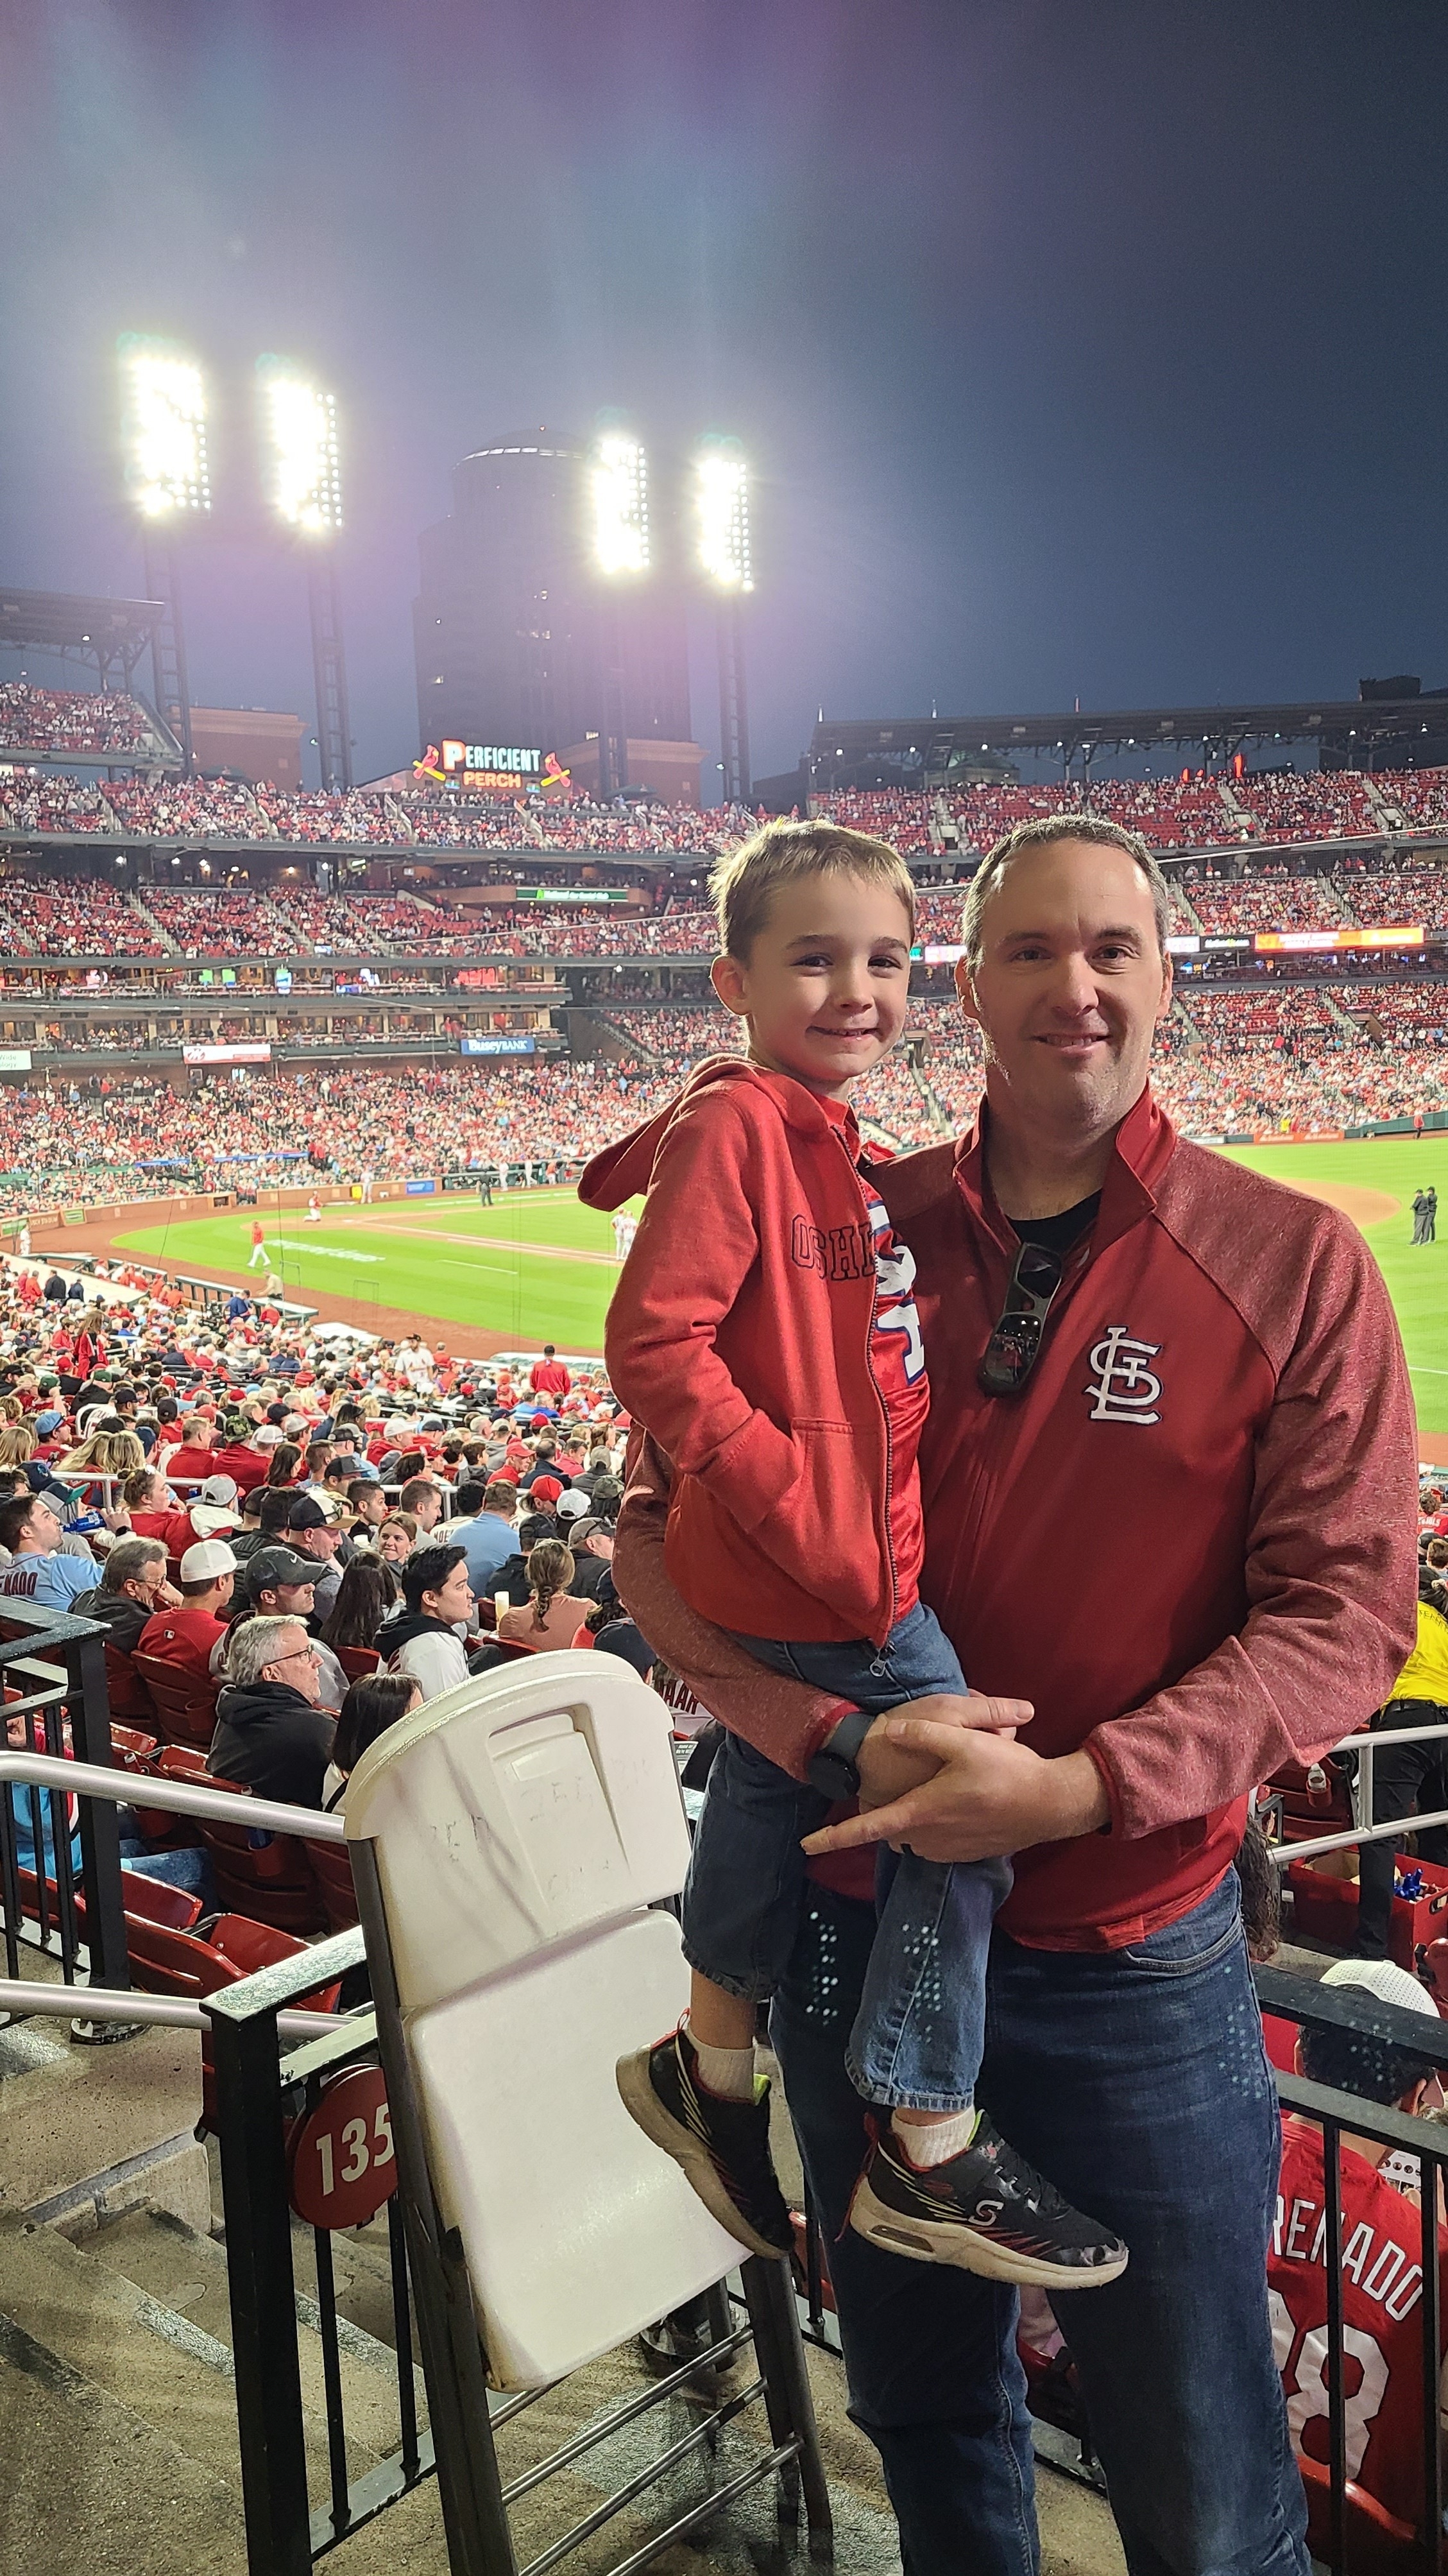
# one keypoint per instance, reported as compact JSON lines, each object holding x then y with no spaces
{"x":13,"y":1517}
{"x":1039,"y":834}
{"x":746,"y":880}
{"x":1351,"y":2061}
{"x":128,"y":1560}
{"x":501,"y":1498}
{"x":420,"y":1487}
{"x":257,"y":1643}
{"x":427,"y":1570}
{"x":276,"y":1505}
{"x":469,"y":1499}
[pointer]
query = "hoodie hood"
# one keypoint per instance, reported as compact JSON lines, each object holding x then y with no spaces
{"x":395,"y":1633}
{"x":624,"y":1171}
{"x":243,"y":1704}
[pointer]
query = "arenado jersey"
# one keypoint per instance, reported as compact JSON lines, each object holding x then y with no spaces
{"x":1382,"y":2302}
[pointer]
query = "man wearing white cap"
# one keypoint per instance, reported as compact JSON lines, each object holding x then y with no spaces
{"x":1382,"y":2251}
{"x":191,"y":1637}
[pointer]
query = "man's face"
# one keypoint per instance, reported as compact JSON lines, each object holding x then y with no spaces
{"x":288,"y":1601}
{"x":296,"y":1665}
{"x":373,"y":1507}
{"x":428,"y":1507}
{"x":321,"y":1543}
{"x":41,"y":1531}
{"x":1070,"y":987}
{"x":145,"y":1585}
{"x":453,"y":1599}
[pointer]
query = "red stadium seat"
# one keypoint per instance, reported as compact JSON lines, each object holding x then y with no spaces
{"x":333,"y":1869}
{"x":184,"y":1707}
{"x":266,"y":1876}
{"x":359,"y":1663}
{"x":1375,"y":2542}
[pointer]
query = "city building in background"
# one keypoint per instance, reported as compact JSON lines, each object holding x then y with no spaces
{"x":523,"y":645}
{"x":256,"y":743}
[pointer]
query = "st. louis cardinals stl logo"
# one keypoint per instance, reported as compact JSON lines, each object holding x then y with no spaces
{"x":1124,"y":1388}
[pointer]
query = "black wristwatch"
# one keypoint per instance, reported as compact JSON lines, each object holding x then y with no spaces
{"x":834,"y":1769}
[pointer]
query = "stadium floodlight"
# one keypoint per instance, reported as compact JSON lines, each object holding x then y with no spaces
{"x":721,"y":515}
{"x":618,"y":489}
{"x":299,"y":432}
{"x":163,"y":428}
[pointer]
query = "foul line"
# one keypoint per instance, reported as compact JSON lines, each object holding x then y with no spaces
{"x":493,"y":1243}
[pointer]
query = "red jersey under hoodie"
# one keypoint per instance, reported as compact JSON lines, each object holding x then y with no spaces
{"x":763,"y":1329}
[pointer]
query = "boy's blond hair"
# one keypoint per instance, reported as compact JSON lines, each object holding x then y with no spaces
{"x":746,"y":880}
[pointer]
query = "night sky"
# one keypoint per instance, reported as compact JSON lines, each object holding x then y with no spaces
{"x":1084,"y":349}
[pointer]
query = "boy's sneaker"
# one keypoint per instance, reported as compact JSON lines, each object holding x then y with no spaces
{"x":986,"y":2210}
{"x":723,"y":2147}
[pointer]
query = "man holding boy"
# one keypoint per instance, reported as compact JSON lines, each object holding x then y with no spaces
{"x":1179,"y":1388}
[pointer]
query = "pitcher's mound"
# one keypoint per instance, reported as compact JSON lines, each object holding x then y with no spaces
{"x":1365,"y":1207}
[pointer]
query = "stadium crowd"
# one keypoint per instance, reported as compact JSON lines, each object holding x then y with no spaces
{"x":99,"y":722}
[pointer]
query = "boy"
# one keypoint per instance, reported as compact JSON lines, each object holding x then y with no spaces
{"x":764,"y":1333}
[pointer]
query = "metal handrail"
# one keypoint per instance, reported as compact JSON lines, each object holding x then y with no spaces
{"x":1364,"y":1747}
{"x":177,"y":1797}
{"x":170,"y":2012}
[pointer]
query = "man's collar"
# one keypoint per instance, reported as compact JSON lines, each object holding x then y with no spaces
{"x":1142,"y":1148}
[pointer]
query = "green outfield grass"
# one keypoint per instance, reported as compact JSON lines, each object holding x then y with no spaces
{"x":398,"y":1255}
{"x":1417,"y":1275}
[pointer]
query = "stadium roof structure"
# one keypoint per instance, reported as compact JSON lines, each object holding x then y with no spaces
{"x":107,"y":636}
{"x":936,"y":748}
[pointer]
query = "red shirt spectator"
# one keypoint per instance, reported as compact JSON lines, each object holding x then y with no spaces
{"x":184,"y":1637}
{"x":548,"y":1376}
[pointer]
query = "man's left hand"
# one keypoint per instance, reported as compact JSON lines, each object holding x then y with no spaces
{"x":989,"y":1797}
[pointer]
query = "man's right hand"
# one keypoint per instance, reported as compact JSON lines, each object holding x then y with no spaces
{"x":887,"y":1770}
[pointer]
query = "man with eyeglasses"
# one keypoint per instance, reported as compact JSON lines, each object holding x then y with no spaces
{"x":270,"y":1731}
{"x":1168,"y":1481}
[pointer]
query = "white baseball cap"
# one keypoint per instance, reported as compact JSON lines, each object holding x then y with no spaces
{"x":209,"y":1558}
{"x":1385,"y":1979}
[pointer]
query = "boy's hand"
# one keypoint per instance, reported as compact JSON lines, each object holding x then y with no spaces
{"x":888,"y":1770}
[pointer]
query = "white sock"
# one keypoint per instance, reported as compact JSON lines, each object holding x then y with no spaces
{"x":728,"y":2073}
{"x":934,"y":2142}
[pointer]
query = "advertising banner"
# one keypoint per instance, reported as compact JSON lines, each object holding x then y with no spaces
{"x":520,"y":1044}
{"x":1298,"y":943}
{"x":258,"y":1052}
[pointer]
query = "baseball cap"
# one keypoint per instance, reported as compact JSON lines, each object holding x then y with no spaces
{"x":268,"y":1435}
{"x":1384,"y":1979}
{"x":45,"y":1423}
{"x":273,"y":1565}
{"x":572,"y":1506}
{"x":220,"y":1489}
{"x":307,"y":1513}
{"x":622,"y":1638}
{"x":206,"y":1560}
{"x":545,"y":1489}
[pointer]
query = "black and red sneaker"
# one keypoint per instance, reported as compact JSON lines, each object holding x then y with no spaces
{"x":987,"y":2211}
{"x":723,"y":2147}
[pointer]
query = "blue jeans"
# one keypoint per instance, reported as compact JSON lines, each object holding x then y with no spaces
{"x":920,"y":2028}
{"x":1137,"y":2078}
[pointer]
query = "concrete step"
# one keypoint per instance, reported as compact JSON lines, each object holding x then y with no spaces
{"x":184,"y":2274}
{"x":90,"y":2482}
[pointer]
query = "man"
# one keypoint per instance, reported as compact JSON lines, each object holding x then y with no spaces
{"x":270,"y":1731}
{"x":213,"y":1513}
{"x":1382,"y":2255}
{"x":1180,"y":1388}
{"x":482,"y":1526}
{"x":311,"y":1532}
{"x":265,"y":1513}
{"x":367,"y":1507}
{"x":192,"y":1635}
{"x":244,"y":1458}
{"x":1420,"y":1215}
{"x":132,"y":1588}
{"x":548,"y":1376}
{"x":422,"y":1639}
{"x":257,"y":1260}
{"x":280,"y":1584}
{"x":424,"y":1500}
{"x":592,"y":1542}
{"x":41,"y":1571}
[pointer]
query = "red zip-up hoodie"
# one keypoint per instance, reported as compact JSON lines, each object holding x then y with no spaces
{"x":1190,"y":1542}
{"x":740,"y":1334}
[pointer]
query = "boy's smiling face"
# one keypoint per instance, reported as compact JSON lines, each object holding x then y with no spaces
{"x":825,"y":987}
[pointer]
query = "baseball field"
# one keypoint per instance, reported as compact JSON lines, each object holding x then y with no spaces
{"x":537,"y":1266}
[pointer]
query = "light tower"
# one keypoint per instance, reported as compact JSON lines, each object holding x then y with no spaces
{"x":618,"y":527}
{"x":304,"y":484}
{"x":721,"y":527}
{"x":163,"y":439}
